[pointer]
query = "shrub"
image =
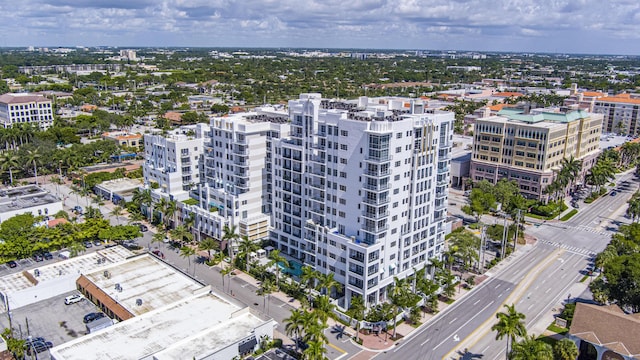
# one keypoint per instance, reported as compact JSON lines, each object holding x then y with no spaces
{"x":569,"y":215}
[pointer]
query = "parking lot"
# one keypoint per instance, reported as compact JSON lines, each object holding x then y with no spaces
{"x":50,"y":319}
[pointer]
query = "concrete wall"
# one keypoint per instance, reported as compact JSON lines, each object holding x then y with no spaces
{"x":44,"y":290}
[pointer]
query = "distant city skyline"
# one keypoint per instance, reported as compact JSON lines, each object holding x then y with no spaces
{"x":557,"y":26}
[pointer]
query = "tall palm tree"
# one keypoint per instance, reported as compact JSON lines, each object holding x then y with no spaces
{"x":161,"y":207}
{"x":327,"y":283}
{"x":531,"y":348}
{"x":565,"y":349}
{"x":33,"y":158}
{"x":276,"y":260}
{"x":157,"y":238}
{"x":356,"y":311}
{"x":229,"y":234}
{"x":399,"y":296}
{"x":323,"y":308}
{"x":309,"y":278}
{"x":209,"y":244}
{"x":143,"y":197}
{"x":315,"y":351}
{"x":168,"y":212}
{"x":117,"y":211}
{"x":295,"y":324}
{"x":10,"y":160}
{"x":266,"y":289}
{"x":510,"y":324}
{"x":180,"y":233}
{"x":188,"y":252}
{"x":246,"y":247}
{"x":227,"y":271}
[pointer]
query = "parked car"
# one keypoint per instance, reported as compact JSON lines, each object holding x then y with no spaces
{"x":87,"y":244}
{"x":97,"y":242}
{"x":614,"y":193}
{"x":77,"y":209}
{"x":72,"y":299}
{"x":12,"y":264}
{"x":47,"y":256}
{"x":37,"y":257}
{"x":38,"y":347}
{"x":92,"y":316}
{"x":158,"y":253}
{"x":142,"y":227}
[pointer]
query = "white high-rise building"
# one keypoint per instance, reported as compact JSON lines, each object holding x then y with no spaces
{"x":172,"y":161}
{"x":235,"y":180}
{"x":25,"y":108}
{"x":359,"y":189}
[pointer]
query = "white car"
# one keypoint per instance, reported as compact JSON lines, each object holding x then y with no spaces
{"x":72,"y":299}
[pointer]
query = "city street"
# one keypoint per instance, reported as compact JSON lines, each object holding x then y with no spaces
{"x":237,"y":289}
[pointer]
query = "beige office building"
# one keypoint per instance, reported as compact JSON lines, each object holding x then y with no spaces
{"x":529,"y":147}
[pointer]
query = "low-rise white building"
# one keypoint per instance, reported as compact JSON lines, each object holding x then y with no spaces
{"x":27,"y":199}
{"x":25,"y":108}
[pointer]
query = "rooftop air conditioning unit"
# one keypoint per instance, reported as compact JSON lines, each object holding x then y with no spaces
{"x":139,"y":302}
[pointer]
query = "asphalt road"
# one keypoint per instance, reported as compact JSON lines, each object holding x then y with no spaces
{"x":235,"y":289}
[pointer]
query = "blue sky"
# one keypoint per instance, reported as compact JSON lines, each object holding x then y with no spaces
{"x":573,"y":26}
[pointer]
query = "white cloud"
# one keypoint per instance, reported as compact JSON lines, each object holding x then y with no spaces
{"x":544,"y":24}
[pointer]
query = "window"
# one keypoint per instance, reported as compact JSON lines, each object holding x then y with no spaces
{"x":343,"y":147}
{"x":343,"y":188}
{"x":344,"y":133}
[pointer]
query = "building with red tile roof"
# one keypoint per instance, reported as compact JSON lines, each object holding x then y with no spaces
{"x":621,"y":113}
{"x":25,"y":108}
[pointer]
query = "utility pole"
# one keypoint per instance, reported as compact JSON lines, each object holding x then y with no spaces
{"x":505,"y":231}
{"x":515,"y":241}
{"x":482,"y":249}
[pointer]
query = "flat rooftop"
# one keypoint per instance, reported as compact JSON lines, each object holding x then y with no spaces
{"x":146,"y":278}
{"x":182,"y":330}
{"x":25,"y":197}
{"x":77,"y":265}
{"x":120,"y":185}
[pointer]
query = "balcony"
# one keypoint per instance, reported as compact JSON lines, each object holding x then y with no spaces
{"x":317,"y":185}
{"x":377,"y":173}
{"x":376,"y":187}
{"x":441,"y":194}
{"x":377,"y":201}
{"x":375,"y":216}
{"x":378,"y":159}
{"x":441,"y":206}
{"x":375,"y":229}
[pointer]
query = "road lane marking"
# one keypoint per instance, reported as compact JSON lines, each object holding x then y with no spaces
{"x":497,"y":286}
{"x":426,"y":341}
{"x":530,"y":306}
{"x":477,"y":301}
{"x":337,"y":348}
{"x":466,"y":323}
{"x":454,"y":319}
{"x":563,"y":276}
{"x":546,"y":292}
{"x":545,"y":263}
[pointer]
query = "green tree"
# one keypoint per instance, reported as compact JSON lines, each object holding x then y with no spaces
{"x":181,"y":234}
{"x":510,"y":325}
{"x":466,"y":247}
{"x":356,"y":312}
{"x":33,"y":158}
{"x":565,"y":349}
{"x":266,"y":289}
{"x":188,"y":252}
{"x":277,"y":260}
{"x":117,"y":211}
{"x":209,"y":244}
{"x":531,"y":348}
{"x":327,"y":283}
{"x":245,"y":248}
{"x":10,"y":161}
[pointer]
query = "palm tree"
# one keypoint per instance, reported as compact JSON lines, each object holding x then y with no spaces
{"x":323,"y":308}
{"x":143,"y":197}
{"x":246,"y":247}
{"x":295,"y":324}
{"x":276,"y":260}
{"x":266,"y":288}
{"x":326,"y":283}
{"x":229,"y":235}
{"x":117,"y":211}
{"x":157,"y":238}
{"x":33,"y":157}
{"x":565,"y":349}
{"x":356,"y":311}
{"x":187,"y":252}
{"x":209,"y":244}
{"x":531,"y":348}
{"x":76,"y":248}
{"x":633,"y":211}
{"x":309,"y":279}
{"x":168,"y":212}
{"x":510,"y":324}
{"x":10,"y":161}
{"x":180,"y":233}
{"x":315,"y":351}
{"x":398,"y":294}
{"x":161,"y":206}
{"x":227,"y":271}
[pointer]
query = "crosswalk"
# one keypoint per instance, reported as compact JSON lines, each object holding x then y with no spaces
{"x":591,"y":230}
{"x":572,"y":249}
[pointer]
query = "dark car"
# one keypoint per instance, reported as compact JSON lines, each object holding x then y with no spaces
{"x":37,"y":257}
{"x":12,"y":264}
{"x":38,"y":346}
{"x":77,"y":209}
{"x":613,"y":193}
{"x":97,"y":242}
{"x":47,"y":256}
{"x":87,"y":244}
{"x":158,"y":253}
{"x":143,"y":228}
{"x":92,"y":316}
